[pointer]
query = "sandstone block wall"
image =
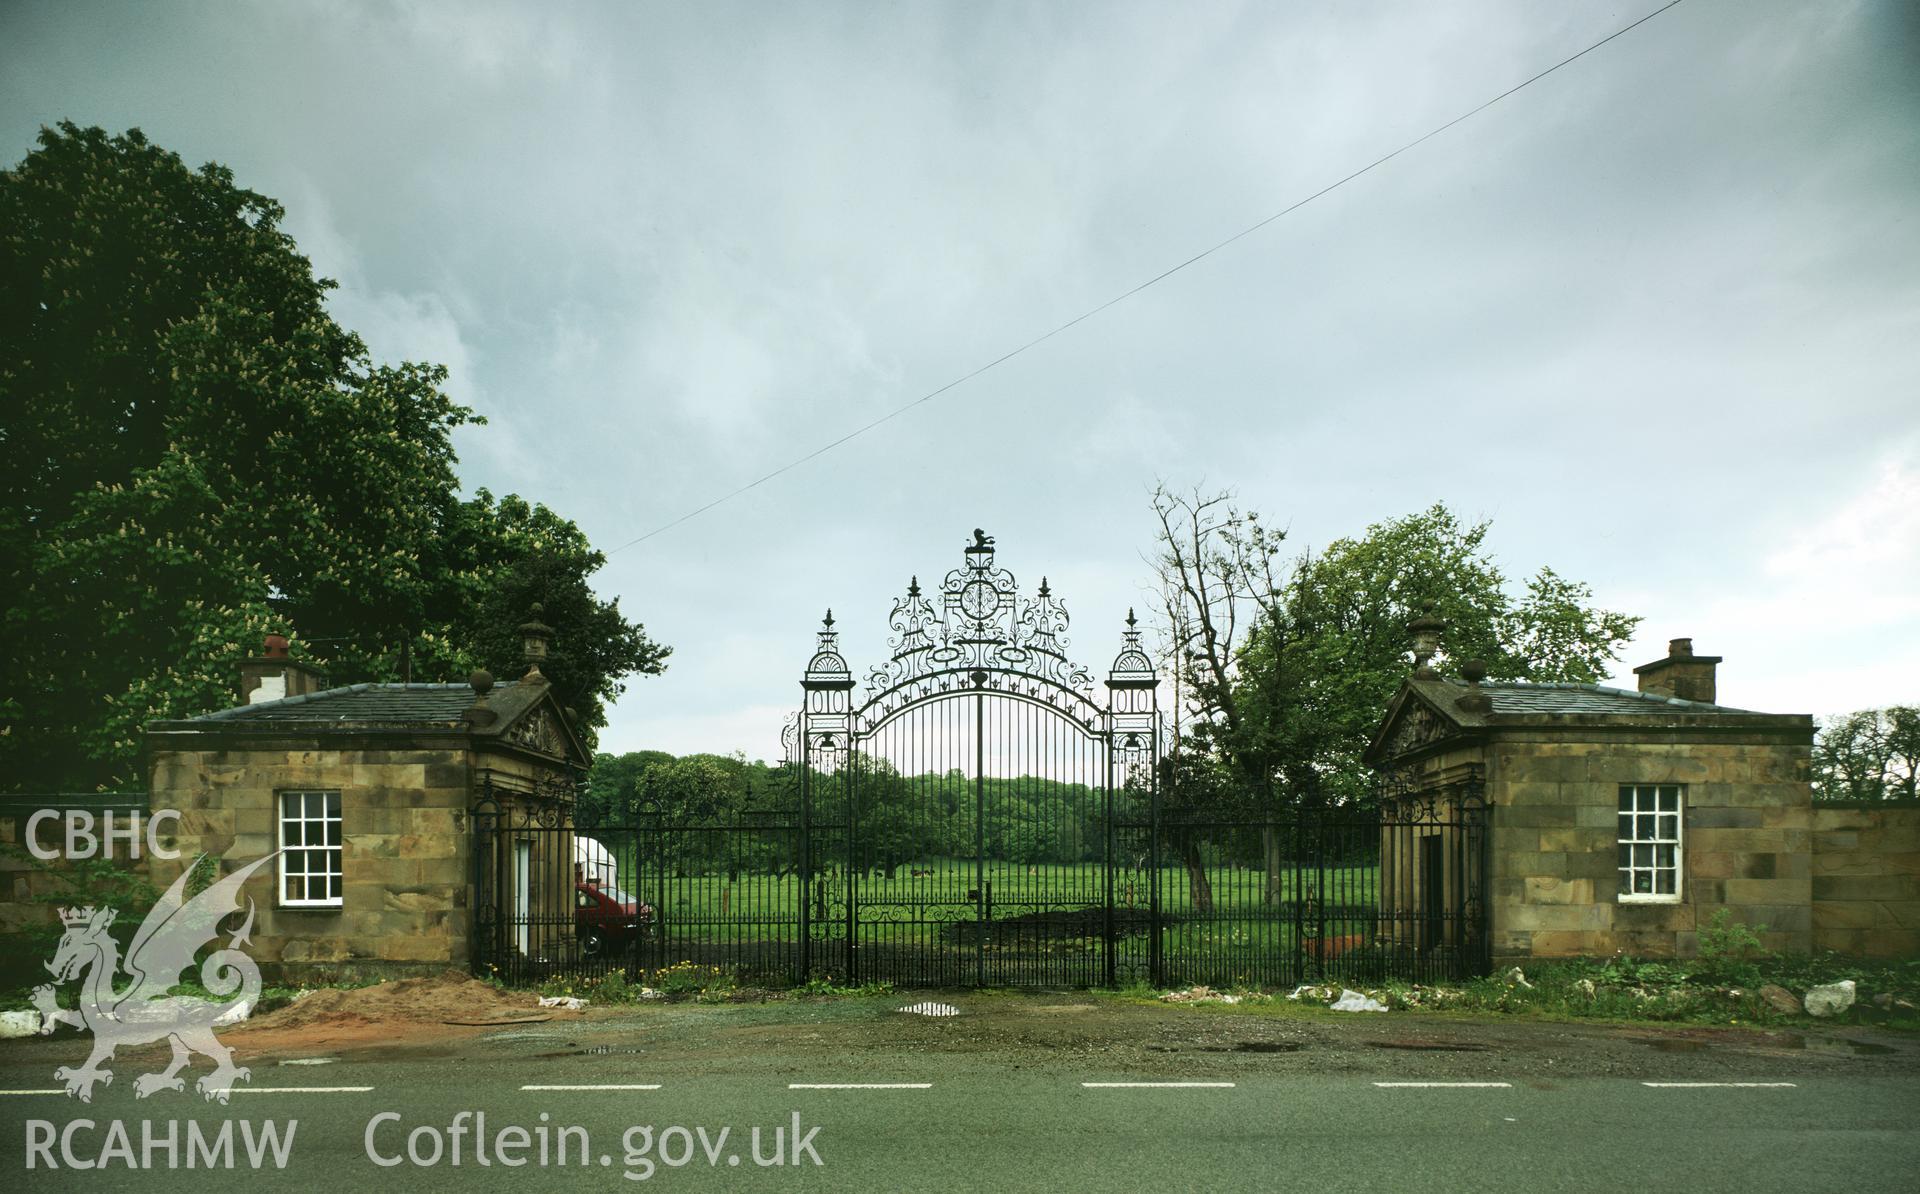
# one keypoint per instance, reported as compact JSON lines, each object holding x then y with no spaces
{"x":1866,"y":880}
{"x":404,"y":856}
{"x":1747,"y":843}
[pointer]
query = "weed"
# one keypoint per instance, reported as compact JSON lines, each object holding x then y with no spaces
{"x":1730,"y":951}
{"x":825,"y":985}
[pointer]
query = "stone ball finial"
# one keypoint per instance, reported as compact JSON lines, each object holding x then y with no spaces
{"x":480,"y":715}
{"x":1475,"y":670}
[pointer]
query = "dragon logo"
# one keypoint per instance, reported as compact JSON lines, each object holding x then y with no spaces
{"x":146,"y":1011}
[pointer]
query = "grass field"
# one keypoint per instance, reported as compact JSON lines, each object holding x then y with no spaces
{"x":1013,"y":888}
{"x":1044,"y":924}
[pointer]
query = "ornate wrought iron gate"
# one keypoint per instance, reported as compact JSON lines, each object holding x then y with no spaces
{"x":981,"y":812}
{"x":961,"y":814}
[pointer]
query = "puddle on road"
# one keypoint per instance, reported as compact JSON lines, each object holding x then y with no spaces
{"x":931,"y":1009}
{"x":1786,"y":1040}
{"x":1846,"y":1045}
{"x":589,"y":1051}
{"x":1868,"y":1048}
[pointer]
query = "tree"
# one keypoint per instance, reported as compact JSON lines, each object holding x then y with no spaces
{"x":198,"y":454}
{"x":1218,"y":583}
{"x":1215,"y":565}
{"x":1285,"y":669}
{"x":658,"y":808}
{"x":1873,"y":754}
{"x":1328,"y":666}
{"x":525,"y":556}
{"x":613,"y":786}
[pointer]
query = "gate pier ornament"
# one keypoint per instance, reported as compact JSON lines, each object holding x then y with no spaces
{"x":977,"y":632}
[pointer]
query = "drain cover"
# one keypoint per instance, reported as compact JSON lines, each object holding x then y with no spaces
{"x":932,"y":1009}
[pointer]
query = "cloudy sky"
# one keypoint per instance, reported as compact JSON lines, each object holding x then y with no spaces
{"x":1658,"y":315}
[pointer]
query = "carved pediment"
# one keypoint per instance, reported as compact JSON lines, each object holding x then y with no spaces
{"x":1417,"y":726}
{"x":539,"y":731}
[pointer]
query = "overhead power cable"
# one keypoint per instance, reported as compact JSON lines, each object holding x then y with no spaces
{"x":1162,"y":276}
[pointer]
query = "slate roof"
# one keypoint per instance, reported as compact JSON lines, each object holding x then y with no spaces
{"x":1525,"y":698}
{"x":386,"y":704}
{"x":1563,"y":707}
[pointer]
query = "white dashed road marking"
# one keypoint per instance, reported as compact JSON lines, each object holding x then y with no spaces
{"x":1158,"y":1085}
{"x":1702,"y":1085}
{"x":301,"y":1089}
{"x":51,"y":1090}
{"x":859,"y":1086}
{"x":595,"y":1086}
{"x":1451,"y":1085}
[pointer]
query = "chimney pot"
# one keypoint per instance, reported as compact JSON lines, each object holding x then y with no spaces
{"x":275,"y":674}
{"x":1681,"y":674}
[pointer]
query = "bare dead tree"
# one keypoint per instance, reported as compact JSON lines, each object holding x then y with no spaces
{"x":1214,"y":567}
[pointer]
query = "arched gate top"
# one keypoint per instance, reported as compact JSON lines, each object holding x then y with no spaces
{"x":976,"y":633}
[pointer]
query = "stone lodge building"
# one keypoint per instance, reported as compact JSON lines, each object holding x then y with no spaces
{"x":1616,"y":820}
{"x":368,"y":793}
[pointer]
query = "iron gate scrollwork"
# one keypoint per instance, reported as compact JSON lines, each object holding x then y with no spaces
{"x":960,"y":812}
{"x":981,"y":812}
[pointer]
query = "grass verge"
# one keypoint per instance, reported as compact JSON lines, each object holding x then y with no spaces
{"x":1616,"y":990}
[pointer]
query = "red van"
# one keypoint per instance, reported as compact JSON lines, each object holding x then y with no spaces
{"x":606,"y":918}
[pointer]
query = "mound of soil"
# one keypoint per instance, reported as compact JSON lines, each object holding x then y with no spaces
{"x":447,"y":997}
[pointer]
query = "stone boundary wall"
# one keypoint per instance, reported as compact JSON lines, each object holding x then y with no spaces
{"x":1866,"y":880}
{"x":33,"y":889}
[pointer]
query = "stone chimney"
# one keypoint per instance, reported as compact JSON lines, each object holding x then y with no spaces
{"x":1681,"y":674}
{"x":275,"y":674}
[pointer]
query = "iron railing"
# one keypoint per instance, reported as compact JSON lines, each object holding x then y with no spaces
{"x":984,"y":816}
{"x":774,"y":897}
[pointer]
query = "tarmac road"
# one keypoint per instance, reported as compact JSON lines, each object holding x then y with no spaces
{"x":997,"y":1099}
